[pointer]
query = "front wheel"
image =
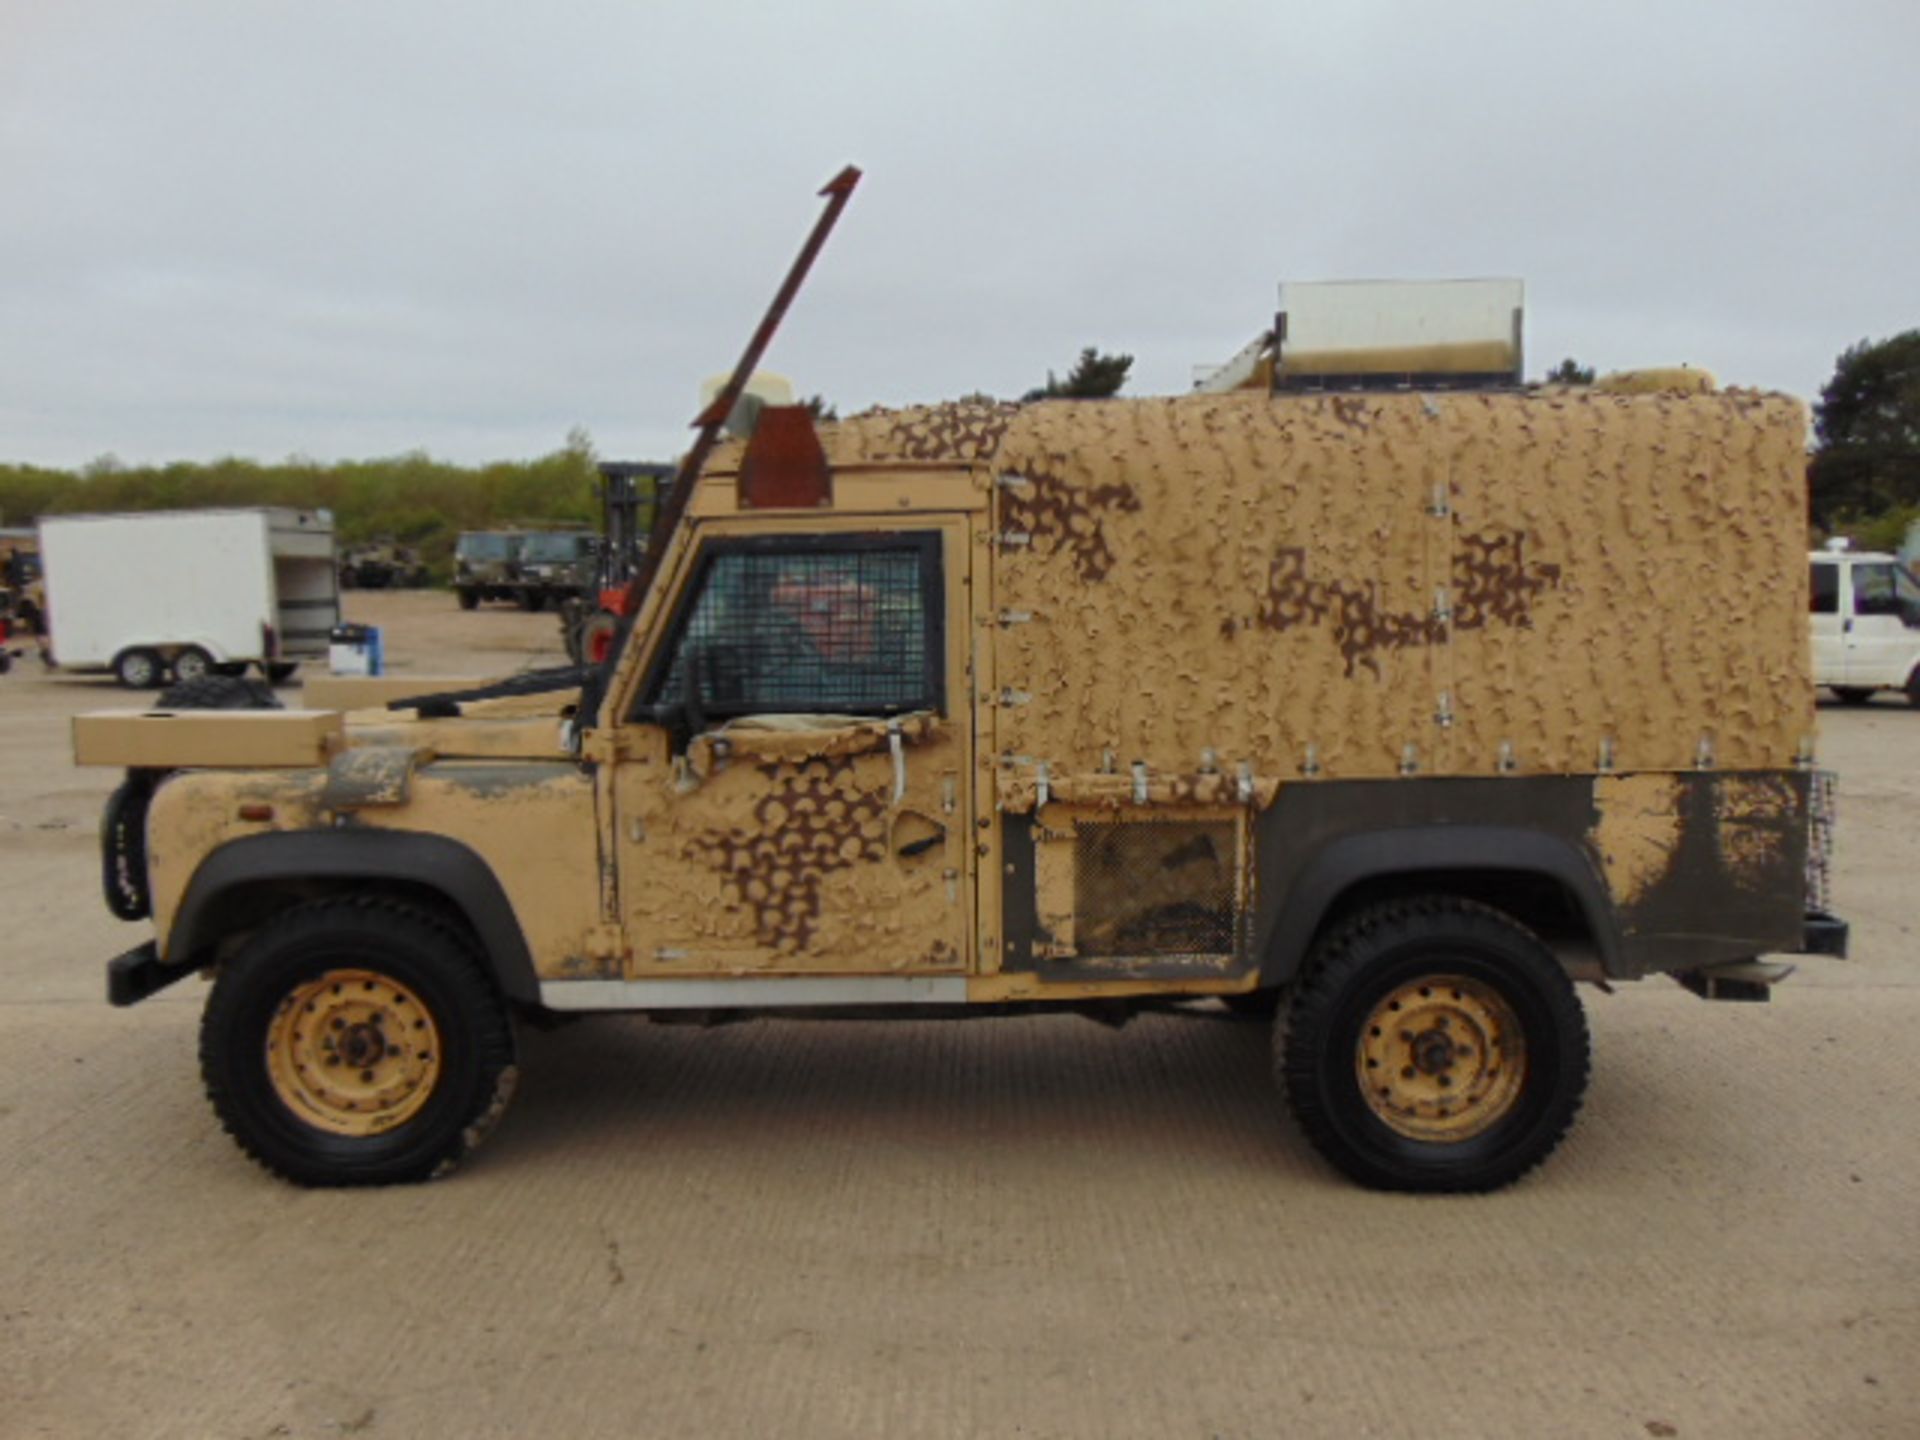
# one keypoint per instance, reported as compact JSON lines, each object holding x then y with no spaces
{"x":1852,"y":694}
{"x":356,"y":1042}
{"x":1434,"y":1045}
{"x":139,"y":668}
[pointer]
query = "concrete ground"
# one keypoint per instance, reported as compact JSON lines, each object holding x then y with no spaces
{"x":1013,"y":1227}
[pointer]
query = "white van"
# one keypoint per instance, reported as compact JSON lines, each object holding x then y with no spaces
{"x":1866,"y":625}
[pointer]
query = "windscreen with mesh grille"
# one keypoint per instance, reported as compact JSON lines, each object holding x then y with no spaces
{"x":849,"y":628}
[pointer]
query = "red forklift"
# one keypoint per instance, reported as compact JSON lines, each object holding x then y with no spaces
{"x":629,"y":496}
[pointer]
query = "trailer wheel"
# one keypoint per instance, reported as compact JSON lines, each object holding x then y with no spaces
{"x":467,"y":598}
{"x":192,"y":663}
{"x":356,"y":1042}
{"x":138,"y":668}
{"x":1434,"y":1045}
{"x":531,"y":600}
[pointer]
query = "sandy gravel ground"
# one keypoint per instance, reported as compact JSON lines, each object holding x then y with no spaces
{"x":1017,"y":1227}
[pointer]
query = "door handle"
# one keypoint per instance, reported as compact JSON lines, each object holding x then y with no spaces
{"x":914,"y":834}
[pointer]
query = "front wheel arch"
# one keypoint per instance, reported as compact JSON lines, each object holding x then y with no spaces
{"x":243,"y":883}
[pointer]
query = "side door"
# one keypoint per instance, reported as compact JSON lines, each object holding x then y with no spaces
{"x":1829,"y":638}
{"x":792,"y":797}
{"x":1881,"y":644}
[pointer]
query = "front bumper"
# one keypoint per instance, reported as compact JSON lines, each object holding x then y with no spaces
{"x":141,"y":972}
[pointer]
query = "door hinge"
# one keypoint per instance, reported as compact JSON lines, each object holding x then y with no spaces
{"x":606,"y":942}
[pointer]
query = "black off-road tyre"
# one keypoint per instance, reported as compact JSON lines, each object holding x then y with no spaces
{"x":1470,"y":975}
{"x":1254,"y":1004}
{"x":218,"y":692}
{"x":330,"y":961}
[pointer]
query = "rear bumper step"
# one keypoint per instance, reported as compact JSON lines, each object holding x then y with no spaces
{"x":141,"y":972}
{"x":1751,"y":980}
{"x":1825,"y":935}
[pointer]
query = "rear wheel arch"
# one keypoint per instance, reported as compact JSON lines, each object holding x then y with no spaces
{"x":1541,"y":881}
{"x":245,"y":882}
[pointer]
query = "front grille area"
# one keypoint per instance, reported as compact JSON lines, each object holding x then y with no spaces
{"x":1156,"y":887}
{"x":1821,"y":801}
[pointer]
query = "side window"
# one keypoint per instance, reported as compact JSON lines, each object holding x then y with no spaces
{"x":840,"y":626}
{"x":1873,"y":590}
{"x":1826,"y":589}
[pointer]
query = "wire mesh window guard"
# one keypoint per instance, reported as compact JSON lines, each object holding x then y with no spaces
{"x":807,"y":630}
{"x":1155,"y":888}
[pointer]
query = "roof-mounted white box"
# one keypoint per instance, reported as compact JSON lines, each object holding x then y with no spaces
{"x":1405,"y":334}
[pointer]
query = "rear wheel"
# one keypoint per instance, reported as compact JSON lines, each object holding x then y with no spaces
{"x":1852,"y":694}
{"x":1434,"y":1045}
{"x":192,"y":663}
{"x":278,"y":673}
{"x":139,"y":668}
{"x":356,"y":1042}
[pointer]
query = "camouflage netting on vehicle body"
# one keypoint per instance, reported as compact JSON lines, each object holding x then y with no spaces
{"x":1350,"y":585}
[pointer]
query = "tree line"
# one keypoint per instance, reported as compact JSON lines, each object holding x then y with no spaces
{"x":412,"y":499}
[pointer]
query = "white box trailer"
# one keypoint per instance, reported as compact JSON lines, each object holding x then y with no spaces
{"x":183,"y":593}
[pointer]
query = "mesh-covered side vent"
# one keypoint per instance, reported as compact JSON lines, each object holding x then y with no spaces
{"x":1155,"y":887}
{"x":1820,"y":806}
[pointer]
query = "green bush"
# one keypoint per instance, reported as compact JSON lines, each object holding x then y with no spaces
{"x":411,"y":498}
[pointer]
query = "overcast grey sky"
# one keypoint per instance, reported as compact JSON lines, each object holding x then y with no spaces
{"x":350,"y":229}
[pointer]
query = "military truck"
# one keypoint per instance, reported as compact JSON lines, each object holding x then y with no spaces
{"x":484,"y":567}
{"x":554,"y":566}
{"x":531,"y":568}
{"x":383,"y":564}
{"x":1387,"y":715}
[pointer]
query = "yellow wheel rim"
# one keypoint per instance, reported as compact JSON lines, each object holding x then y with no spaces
{"x":1441,"y":1058}
{"x":353,"y":1052}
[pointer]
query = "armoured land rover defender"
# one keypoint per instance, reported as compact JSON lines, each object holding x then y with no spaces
{"x":1394,"y":712}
